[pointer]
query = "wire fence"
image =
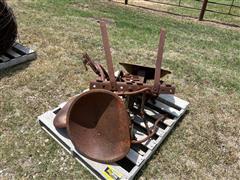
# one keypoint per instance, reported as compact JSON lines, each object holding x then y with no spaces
{"x":225,"y":7}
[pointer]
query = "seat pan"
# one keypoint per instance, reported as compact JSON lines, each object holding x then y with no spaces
{"x":98,"y":125}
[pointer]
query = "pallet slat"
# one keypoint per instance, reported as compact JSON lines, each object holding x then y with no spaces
{"x":16,"y":55}
{"x":135,"y":157}
{"x":166,"y":108}
{"x":4,"y":58}
{"x":13,"y":53}
{"x":174,"y":100}
{"x":22,"y":48}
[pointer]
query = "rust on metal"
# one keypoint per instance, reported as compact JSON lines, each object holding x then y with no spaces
{"x":98,"y":125}
{"x":129,"y":83}
{"x":108,"y":55}
{"x":97,"y":121}
{"x":157,"y":76}
{"x":60,"y":120}
{"x":97,"y":68}
{"x":132,"y":86}
{"x":143,"y":71}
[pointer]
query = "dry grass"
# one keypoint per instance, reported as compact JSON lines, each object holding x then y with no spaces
{"x":205,"y":63}
{"x":171,"y":7}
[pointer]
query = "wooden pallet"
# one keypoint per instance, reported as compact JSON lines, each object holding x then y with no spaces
{"x":16,"y":55}
{"x":138,"y":155}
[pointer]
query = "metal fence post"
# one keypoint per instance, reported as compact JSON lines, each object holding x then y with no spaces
{"x":179,"y":2}
{"x":204,"y":6}
{"x":231,"y":7}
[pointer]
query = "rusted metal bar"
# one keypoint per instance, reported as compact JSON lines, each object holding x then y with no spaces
{"x":96,"y":67}
{"x":132,"y":82}
{"x":88,"y":61}
{"x":89,"y":116}
{"x":204,"y":6}
{"x":125,"y":87}
{"x":108,"y":55}
{"x":159,"y":61}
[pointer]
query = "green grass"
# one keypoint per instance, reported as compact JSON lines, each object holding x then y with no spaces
{"x":172,"y":6}
{"x":204,"y":60}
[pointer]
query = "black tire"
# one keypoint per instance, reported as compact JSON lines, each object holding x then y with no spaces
{"x":8,"y":27}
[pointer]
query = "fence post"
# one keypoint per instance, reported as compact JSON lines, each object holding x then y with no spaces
{"x":126,"y":1}
{"x":204,"y":6}
{"x":179,"y":2}
{"x":231,"y":7}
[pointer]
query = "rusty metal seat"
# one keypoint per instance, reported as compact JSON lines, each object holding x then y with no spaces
{"x":98,"y":125}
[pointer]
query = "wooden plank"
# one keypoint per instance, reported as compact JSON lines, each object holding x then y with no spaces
{"x":62,"y":104}
{"x":19,"y":54}
{"x":4,"y":58}
{"x":23,"y":49}
{"x":169,"y":122}
{"x":174,"y":100}
{"x":166,"y":108}
{"x":135,"y":157}
{"x":138,"y":150}
{"x":17,"y":61}
{"x":13,"y":53}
